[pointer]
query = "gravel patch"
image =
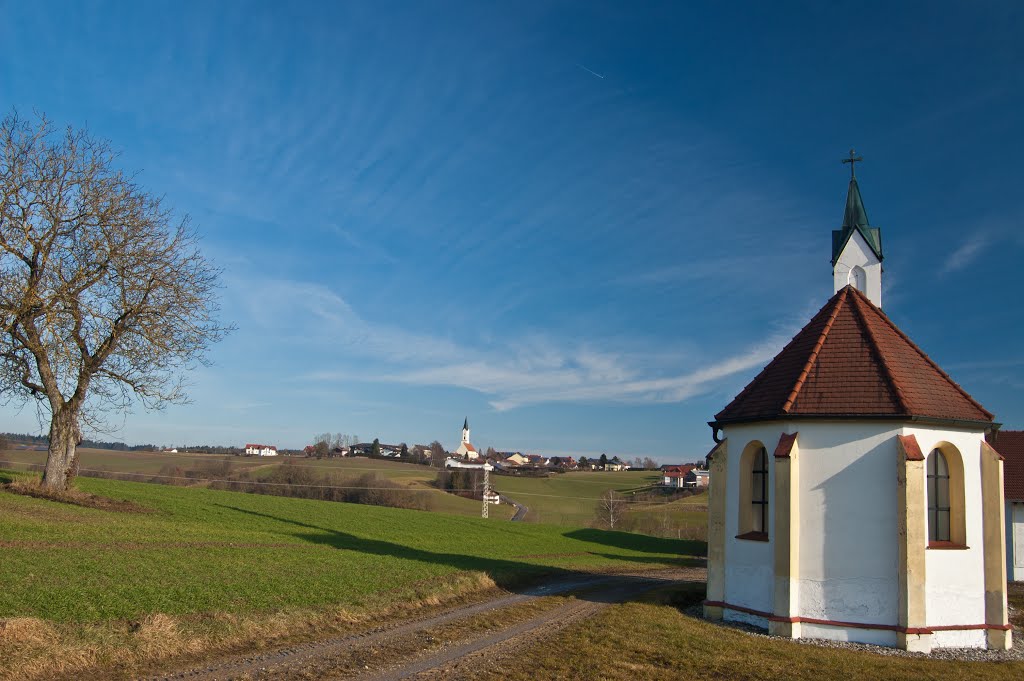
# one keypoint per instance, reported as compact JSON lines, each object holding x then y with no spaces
{"x":962,"y":654}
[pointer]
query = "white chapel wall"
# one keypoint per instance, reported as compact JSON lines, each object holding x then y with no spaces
{"x":848,"y":519}
{"x":749,"y":572}
{"x":955,"y":587}
{"x":848,"y":558}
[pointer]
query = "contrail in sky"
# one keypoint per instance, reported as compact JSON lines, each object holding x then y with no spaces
{"x":593,"y":73}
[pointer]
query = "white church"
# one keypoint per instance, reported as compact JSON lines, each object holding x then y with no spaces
{"x":466,"y":449}
{"x":853,"y":494}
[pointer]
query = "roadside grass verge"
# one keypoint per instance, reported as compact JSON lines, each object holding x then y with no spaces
{"x":652,"y":640}
{"x":210,"y":570}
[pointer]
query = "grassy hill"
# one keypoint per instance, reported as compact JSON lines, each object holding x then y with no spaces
{"x":152,"y":464}
{"x":572,"y":499}
{"x":568,"y":499}
{"x":202,"y":550}
{"x":193,"y":570}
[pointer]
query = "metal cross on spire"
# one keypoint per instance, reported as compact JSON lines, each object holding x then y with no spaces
{"x":852,"y":161}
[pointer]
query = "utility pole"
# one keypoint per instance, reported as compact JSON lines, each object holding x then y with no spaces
{"x":487,"y":487}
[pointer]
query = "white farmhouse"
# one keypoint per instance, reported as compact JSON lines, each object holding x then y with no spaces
{"x":452,"y":462}
{"x":1010,"y":443}
{"x":260,"y":450}
{"x":853,"y":496}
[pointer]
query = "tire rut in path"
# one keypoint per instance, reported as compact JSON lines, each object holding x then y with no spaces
{"x":463,"y":658}
{"x":291,"y":658}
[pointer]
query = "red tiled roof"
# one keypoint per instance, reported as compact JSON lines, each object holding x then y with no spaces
{"x":851,"y":360}
{"x":1010,"y":443}
{"x":679,"y":471}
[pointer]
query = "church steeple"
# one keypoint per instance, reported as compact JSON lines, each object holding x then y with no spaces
{"x":857,"y":246}
{"x":465,"y":431}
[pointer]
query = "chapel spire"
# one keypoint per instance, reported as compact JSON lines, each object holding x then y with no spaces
{"x":857,"y":246}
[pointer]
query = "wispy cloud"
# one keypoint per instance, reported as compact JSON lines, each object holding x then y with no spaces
{"x":510,"y":373}
{"x":968,"y":252}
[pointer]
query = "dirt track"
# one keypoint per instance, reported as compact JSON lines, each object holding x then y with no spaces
{"x":447,"y":645}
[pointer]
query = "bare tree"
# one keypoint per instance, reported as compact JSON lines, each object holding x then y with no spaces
{"x":610,"y":508}
{"x":322,"y":445}
{"x":437,"y":454}
{"x":105,"y":298}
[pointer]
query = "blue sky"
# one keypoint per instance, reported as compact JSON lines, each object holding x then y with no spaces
{"x":585,"y":226}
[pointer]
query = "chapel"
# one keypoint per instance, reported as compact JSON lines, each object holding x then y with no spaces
{"x":853,"y":495}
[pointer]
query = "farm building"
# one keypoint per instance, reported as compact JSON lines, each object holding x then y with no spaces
{"x":853,"y":494}
{"x":260,"y":450}
{"x":685,"y":476}
{"x":675,"y":476}
{"x":1010,"y":443}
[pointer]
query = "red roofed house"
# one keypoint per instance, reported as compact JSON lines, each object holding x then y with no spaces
{"x":466,"y":450}
{"x":1010,"y":443}
{"x":260,"y":450}
{"x":853,"y":495}
{"x":674,"y":476}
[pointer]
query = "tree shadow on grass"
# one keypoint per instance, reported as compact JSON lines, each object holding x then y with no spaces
{"x":641,"y":542}
{"x":679,"y":561}
{"x":508,"y":574}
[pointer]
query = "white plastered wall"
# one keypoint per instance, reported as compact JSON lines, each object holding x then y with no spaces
{"x":857,"y":253}
{"x":848,"y":533}
{"x":848,"y":553}
{"x":955,"y":579}
{"x":847,"y":499}
{"x":749,"y":574}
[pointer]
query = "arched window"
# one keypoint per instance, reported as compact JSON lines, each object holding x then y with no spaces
{"x":754,"y":493}
{"x":858,"y":278}
{"x":947,"y":526}
{"x":759,"y":491}
{"x":938,"y":497}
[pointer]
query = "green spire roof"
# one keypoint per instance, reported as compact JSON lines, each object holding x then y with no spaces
{"x":855,"y":215}
{"x":465,"y":426}
{"x":855,"y":219}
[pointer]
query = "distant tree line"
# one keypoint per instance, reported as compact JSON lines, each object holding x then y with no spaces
{"x":44,"y":440}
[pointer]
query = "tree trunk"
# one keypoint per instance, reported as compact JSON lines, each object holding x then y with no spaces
{"x":62,"y":459}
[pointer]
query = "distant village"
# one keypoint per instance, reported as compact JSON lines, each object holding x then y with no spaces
{"x":466,"y":456}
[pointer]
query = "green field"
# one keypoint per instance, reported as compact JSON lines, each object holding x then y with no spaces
{"x":568,"y":499}
{"x":572,"y":499}
{"x":203,"y":550}
{"x":148,"y":464}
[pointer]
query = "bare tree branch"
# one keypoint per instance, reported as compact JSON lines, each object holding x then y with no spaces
{"x":105,"y":297}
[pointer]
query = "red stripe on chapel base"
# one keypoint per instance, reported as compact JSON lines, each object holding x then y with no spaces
{"x":857,"y":625}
